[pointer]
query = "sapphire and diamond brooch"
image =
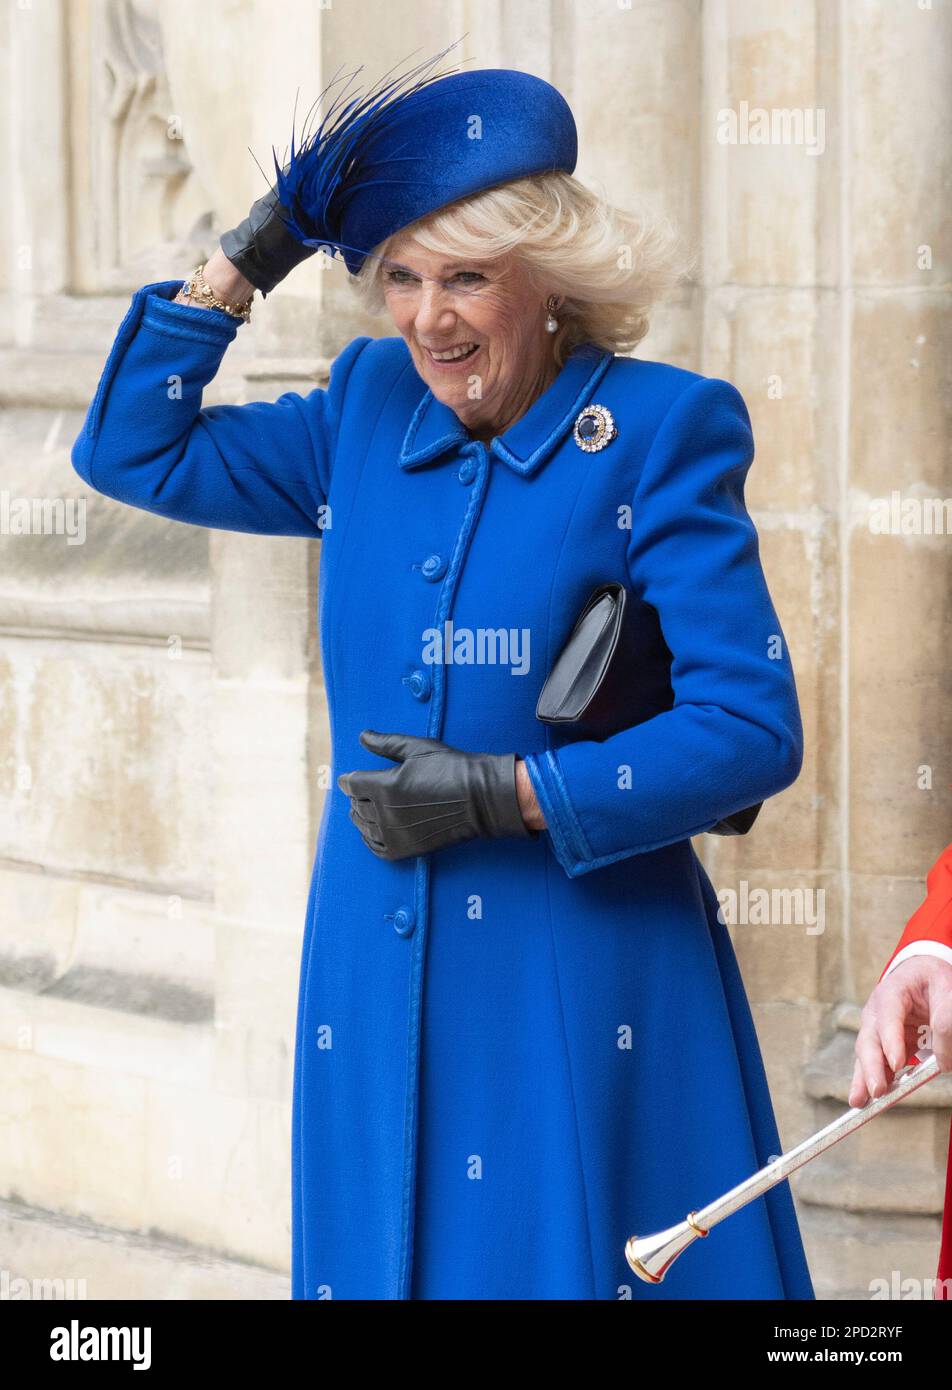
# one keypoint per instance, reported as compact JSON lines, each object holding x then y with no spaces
{"x":594,"y":428}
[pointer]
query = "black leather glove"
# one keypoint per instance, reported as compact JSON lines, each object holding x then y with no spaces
{"x":261,"y":246}
{"x":437,"y":796}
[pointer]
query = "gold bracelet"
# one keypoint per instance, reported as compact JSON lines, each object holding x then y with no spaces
{"x":197,"y":287}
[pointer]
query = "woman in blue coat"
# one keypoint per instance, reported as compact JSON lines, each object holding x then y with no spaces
{"x":522,"y":1035}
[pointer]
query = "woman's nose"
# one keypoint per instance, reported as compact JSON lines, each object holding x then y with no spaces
{"x":434,"y":306}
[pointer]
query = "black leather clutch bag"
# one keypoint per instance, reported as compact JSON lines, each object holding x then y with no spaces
{"x":594,"y":686}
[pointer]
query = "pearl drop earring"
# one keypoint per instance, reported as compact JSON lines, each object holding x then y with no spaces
{"x":552,"y":323}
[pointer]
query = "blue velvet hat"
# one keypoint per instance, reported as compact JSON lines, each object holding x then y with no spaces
{"x":381,"y":160}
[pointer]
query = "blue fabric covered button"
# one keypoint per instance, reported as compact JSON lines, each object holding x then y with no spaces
{"x":419,"y":684}
{"x":433,"y":567}
{"x":404,"y":921}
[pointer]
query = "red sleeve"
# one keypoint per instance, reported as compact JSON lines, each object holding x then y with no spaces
{"x":944,"y":1290}
{"x":932,"y":920}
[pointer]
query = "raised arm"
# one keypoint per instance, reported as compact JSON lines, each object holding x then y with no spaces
{"x":263,"y":467}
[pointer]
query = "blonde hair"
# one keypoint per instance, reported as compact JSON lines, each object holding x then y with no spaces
{"x":610,"y":264}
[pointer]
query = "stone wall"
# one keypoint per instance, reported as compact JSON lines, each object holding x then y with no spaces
{"x":163,"y":729}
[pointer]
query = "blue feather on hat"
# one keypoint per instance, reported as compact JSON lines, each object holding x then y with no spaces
{"x":320,"y":173}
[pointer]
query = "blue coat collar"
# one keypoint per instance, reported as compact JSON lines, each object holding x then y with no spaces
{"x":527,"y":444}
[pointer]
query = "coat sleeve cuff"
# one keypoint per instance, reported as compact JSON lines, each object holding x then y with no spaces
{"x":570,"y":844}
{"x":566,"y":836}
{"x":159,"y":313}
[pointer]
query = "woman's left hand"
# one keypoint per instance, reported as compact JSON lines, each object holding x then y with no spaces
{"x":436,"y":796}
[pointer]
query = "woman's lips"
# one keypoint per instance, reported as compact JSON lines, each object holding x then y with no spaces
{"x":457,"y":363}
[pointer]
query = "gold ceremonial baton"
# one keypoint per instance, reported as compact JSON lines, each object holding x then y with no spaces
{"x":652,"y":1256}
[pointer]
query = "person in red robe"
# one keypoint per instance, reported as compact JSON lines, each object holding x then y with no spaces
{"x":911,"y":1007}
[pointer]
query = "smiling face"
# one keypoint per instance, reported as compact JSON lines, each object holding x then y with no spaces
{"x":438,"y":305}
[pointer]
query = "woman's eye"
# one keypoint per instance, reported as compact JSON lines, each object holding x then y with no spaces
{"x":404,"y":277}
